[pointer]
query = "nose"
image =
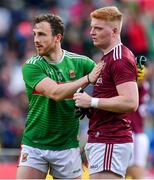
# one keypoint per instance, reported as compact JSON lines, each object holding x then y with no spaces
{"x":36,"y":39}
{"x":92,"y":32}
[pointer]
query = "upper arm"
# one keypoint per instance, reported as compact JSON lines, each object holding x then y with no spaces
{"x":36,"y":79}
{"x":46,"y":87}
{"x":129,"y":90}
{"x":123,"y":70}
{"x":32,"y":75}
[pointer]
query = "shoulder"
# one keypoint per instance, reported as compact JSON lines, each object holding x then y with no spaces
{"x":74,"y":56}
{"x":34,"y":59}
{"x":122,"y":59}
{"x":121,"y":52}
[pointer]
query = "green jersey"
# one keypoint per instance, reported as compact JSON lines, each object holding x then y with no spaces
{"x":52,"y":125}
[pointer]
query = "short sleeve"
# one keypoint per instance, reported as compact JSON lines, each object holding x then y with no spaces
{"x":123,"y":70}
{"x":32,"y":74}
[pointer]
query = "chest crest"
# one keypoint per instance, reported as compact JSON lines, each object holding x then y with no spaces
{"x":72,"y":73}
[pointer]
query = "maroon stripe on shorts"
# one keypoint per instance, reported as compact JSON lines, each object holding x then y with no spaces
{"x":108,"y":156}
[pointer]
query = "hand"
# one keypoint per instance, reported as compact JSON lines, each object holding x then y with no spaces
{"x":94,"y":74}
{"x":82,"y":100}
{"x":140,"y":73}
{"x":82,"y":112}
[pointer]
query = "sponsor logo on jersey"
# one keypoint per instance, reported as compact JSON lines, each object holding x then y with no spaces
{"x":71,"y":73}
{"x":99,"y":80}
{"x":24,"y":157}
{"x":104,"y":64}
{"x":60,"y":75}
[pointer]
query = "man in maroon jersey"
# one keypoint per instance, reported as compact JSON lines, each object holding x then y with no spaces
{"x":137,"y":166}
{"x":109,"y":147}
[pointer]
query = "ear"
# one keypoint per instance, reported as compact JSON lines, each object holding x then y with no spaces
{"x":115,"y":30}
{"x":59,"y":37}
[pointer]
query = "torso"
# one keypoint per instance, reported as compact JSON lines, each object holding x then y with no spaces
{"x":109,"y":127}
{"x":50,"y":124}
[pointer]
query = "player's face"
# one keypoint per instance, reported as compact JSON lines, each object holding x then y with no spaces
{"x":45,"y":42}
{"x":101,"y":33}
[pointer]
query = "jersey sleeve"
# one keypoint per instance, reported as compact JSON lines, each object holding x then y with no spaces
{"x":123,"y":70}
{"x":32,"y":74}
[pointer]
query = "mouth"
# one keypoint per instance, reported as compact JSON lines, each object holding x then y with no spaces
{"x":38,"y":46}
{"x":94,"y":39}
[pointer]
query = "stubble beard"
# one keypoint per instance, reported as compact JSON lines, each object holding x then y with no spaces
{"x":41,"y":52}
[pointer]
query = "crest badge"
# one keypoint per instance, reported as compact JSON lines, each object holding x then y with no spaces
{"x":71,"y":73}
{"x":24,"y":157}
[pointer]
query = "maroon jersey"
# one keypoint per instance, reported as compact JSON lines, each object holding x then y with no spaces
{"x":105,"y":126}
{"x":137,"y":117}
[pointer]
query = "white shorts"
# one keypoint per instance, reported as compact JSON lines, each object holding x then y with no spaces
{"x":141,"y":149}
{"x":61,"y":164}
{"x":108,"y":157}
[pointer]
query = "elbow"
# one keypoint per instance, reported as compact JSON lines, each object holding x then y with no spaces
{"x":136,"y":107}
{"x":133,"y":106}
{"x":55,"y":96}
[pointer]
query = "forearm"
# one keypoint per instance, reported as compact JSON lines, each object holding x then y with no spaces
{"x":66,"y":90}
{"x":126,"y":101}
{"x":55,"y":91}
{"x":117,"y":104}
{"x":48,"y":87}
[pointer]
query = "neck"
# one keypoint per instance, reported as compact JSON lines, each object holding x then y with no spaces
{"x":112,"y":45}
{"x":55,"y":56}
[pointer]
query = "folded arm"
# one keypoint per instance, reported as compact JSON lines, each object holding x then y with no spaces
{"x":51,"y":89}
{"x":126,"y":101}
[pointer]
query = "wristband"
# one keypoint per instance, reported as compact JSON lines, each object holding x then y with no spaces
{"x":94,"y":102}
{"x":88,"y":79}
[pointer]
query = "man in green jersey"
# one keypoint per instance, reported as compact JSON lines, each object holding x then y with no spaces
{"x":50,"y":139}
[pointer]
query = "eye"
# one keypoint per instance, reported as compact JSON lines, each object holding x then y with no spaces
{"x":42,"y":34}
{"x":39,"y":34}
{"x":99,"y":28}
{"x":34,"y":34}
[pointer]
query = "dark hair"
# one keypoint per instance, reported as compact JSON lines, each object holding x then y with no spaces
{"x":56,"y":23}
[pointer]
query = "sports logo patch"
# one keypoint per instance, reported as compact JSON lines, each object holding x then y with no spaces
{"x":24,"y":157}
{"x":71,"y":73}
